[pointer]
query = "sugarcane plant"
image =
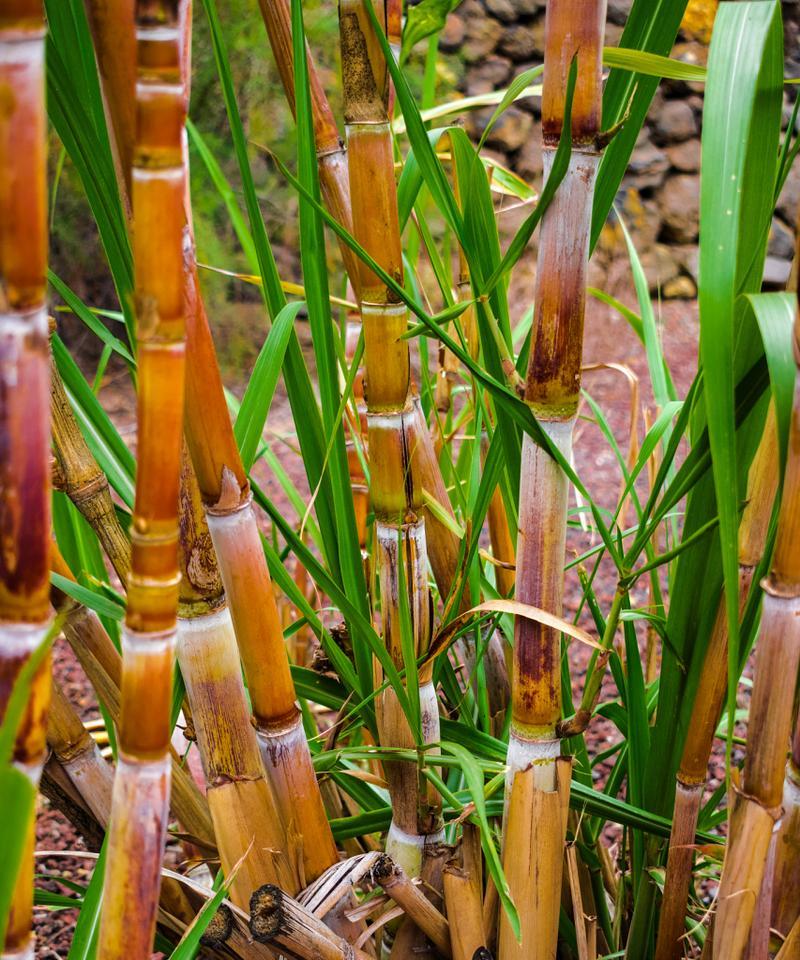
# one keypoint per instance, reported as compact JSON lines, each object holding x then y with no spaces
{"x":343,"y":711}
{"x":140,"y":802}
{"x":24,"y":442}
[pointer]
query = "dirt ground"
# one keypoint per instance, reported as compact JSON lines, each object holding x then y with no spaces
{"x":608,"y":339}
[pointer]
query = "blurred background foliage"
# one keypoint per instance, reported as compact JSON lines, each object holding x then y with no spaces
{"x":235,"y":305}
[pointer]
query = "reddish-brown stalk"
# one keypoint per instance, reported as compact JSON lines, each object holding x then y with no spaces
{"x":396,"y":499}
{"x":140,"y":804}
{"x":573,"y":31}
{"x":24,"y":409}
{"x":226,"y":495}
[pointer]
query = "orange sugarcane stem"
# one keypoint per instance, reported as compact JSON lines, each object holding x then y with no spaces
{"x":140,"y":803}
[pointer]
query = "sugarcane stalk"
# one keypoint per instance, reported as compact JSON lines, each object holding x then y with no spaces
{"x":331,"y":152}
{"x":756,"y":806}
{"x":84,"y":482}
{"x":24,"y":410}
{"x":226,"y":495}
{"x":140,"y":804}
{"x":464,"y":903}
{"x":786,"y":889}
{"x":79,"y":756}
{"x":246,"y":820}
{"x":572,"y":30}
{"x":335,"y":184}
{"x":396,"y":498}
{"x":712,"y":688}
{"x":418,"y":908}
{"x":110,"y":22}
{"x":444,"y":548}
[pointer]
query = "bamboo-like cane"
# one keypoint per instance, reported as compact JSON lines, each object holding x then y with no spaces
{"x":79,"y":756}
{"x":84,"y":482}
{"x":464,"y":902}
{"x":140,"y":805}
{"x":335,"y":184}
{"x":786,"y":883}
{"x":533,"y":855}
{"x":226,"y":495}
{"x":762,"y":484}
{"x":239,"y":798}
{"x":757,"y":806}
{"x":398,"y":885}
{"x":24,"y":407}
{"x":115,"y":44}
{"x":572,"y":30}
{"x":396,"y":498}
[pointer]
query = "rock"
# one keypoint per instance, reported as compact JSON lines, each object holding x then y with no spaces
{"x":648,"y":164}
{"x":482,"y":36}
{"x":618,"y":11}
{"x":699,"y":19}
{"x":613,"y":35}
{"x":488,"y":75}
{"x":688,"y":256}
{"x":642,"y":219}
{"x":789,"y":200}
{"x":528,"y":161}
{"x":776,"y":273}
{"x":527,"y":8}
{"x":679,"y":288}
{"x":694,"y":53}
{"x":679,"y":201}
{"x":781,"y":241}
{"x":511,"y":131}
{"x":451,"y":38}
{"x":660,"y":267}
{"x":501,"y":10}
{"x":522,"y":43}
{"x":674,"y":122}
{"x":685,"y":157}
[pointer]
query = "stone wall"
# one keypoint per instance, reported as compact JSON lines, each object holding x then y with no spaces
{"x":494,"y":40}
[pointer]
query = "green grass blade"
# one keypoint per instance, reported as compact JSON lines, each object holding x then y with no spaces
{"x":257,"y":398}
{"x":741,"y":130}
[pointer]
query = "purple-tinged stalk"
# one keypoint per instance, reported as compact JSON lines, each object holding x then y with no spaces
{"x":401,"y":548}
{"x":712,"y":688}
{"x":573,"y":30}
{"x":757,"y":802}
{"x":24,"y":409}
{"x":140,"y":804}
